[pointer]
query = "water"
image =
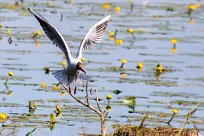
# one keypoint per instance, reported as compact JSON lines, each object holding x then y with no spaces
{"x":155,"y":27}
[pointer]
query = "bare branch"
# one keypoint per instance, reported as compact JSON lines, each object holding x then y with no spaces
{"x":87,"y":94}
{"x":97,"y":101}
{"x":189,"y":114}
{"x":78,"y":100}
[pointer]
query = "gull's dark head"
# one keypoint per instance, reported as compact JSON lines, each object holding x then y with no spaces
{"x":80,"y":66}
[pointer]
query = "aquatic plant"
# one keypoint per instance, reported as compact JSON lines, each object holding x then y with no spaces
{"x":139,"y":66}
{"x":174,"y":42}
{"x":11,"y":74}
{"x":43,"y":85}
{"x":175,"y":111}
{"x":117,"y":9}
{"x":124,"y":61}
{"x":3,"y":117}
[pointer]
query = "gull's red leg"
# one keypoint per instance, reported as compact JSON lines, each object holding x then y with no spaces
{"x":70,"y":90}
{"x":75,"y":89}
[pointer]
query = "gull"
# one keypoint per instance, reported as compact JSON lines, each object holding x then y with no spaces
{"x":75,"y":71}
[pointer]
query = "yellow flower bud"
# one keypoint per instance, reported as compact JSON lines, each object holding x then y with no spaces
{"x":124,"y":61}
{"x":59,"y":109}
{"x":64,"y":63}
{"x":10,"y":93}
{"x":106,"y":6}
{"x":173,"y":40}
{"x":109,"y":96}
{"x":111,"y":35}
{"x":9,"y":32}
{"x":108,"y":108}
{"x":123,"y":75}
{"x":83,"y":59}
{"x":117,"y":9}
{"x":56,"y":87}
{"x":129,"y":30}
{"x":38,"y":32}
{"x":43,"y":85}
{"x":37,"y":44}
{"x":52,"y":118}
{"x":3,"y":117}
{"x":119,"y":41}
{"x":175,"y":111}
{"x":159,"y":68}
{"x":63,"y":93}
{"x":149,"y":116}
{"x":140,"y":65}
{"x":173,"y":50}
{"x":11,"y":74}
{"x":192,"y":7}
{"x":197,"y":5}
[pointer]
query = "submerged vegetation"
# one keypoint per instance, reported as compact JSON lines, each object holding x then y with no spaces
{"x":146,"y":73}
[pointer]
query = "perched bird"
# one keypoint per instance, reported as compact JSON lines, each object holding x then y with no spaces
{"x":75,"y":71}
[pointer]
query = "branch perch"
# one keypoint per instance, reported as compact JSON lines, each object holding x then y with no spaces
{"x":78,"y":100}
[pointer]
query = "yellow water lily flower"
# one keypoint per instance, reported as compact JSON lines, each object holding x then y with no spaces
{"x":56,"y":87}
{"x":111,"y":35}
{"x":173,"y":50}
{"x":2,"y":26}
{"x":43,"y":85}
{"x":10,"y":93}
{"x":140,"y":65}
{"x":63,"y":63}
{"x":108,"y":108}
{"x":173,"y":41}
{"x":3,"y":117}
{"x":192,"y":7}
{"x":130,"y":30}
{"x":175,"y":111}
{"x":63,"y":93}
{"x":83,"y":59}
{"x":159,"y":68}
{"x":52,"y":118}
{"x":106,"y":6}
{"x":124,"y":61}
{"x":59,"y":109}
{"x":11,"y":74}
{"x":149,"y":116}
{"x":38,"y":32}
{"x":123,"y":75}
{"x":37,"y":44}
{"x":117,"y":9}
{"x":119,"y":41}
{"x":109,"y":96}
{"x":32,"y":105}
{"x":9,"y":32}
{"x":198,"y":5}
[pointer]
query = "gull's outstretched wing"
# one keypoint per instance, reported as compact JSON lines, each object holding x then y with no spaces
{"x":53,"y":34}
{"x":94,"y":35}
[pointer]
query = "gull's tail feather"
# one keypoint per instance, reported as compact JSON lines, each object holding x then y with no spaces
{"x":61,"y":76}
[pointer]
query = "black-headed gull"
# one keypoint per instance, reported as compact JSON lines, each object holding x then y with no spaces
{"x":75,"y":70}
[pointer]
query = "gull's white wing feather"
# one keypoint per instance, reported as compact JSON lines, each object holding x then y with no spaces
{"x":94,"y":35}
{"x":53,"y":34}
